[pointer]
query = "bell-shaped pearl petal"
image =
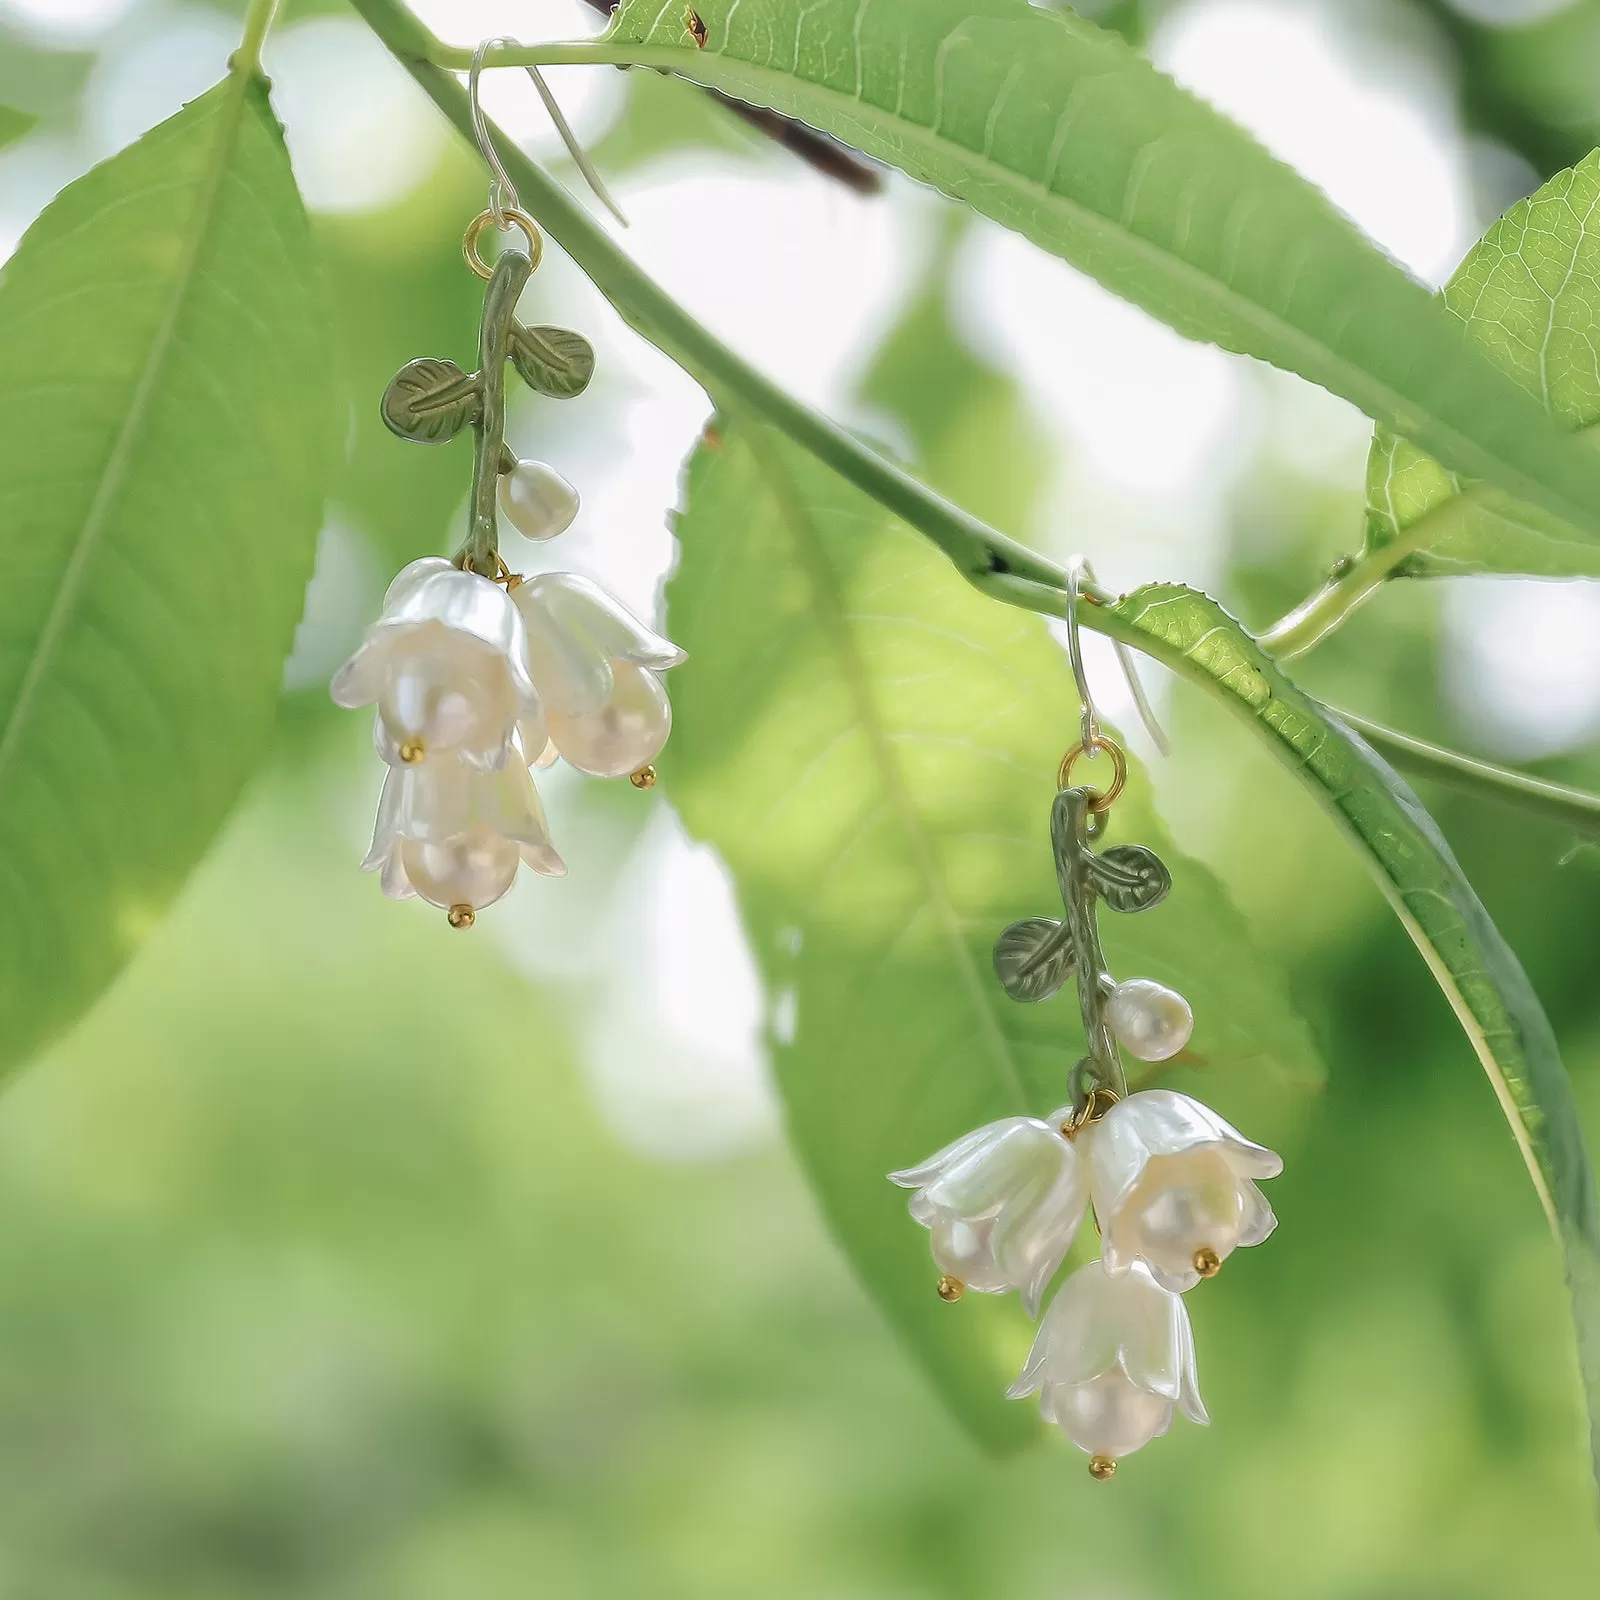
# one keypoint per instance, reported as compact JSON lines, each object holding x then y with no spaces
{"x":446,"y":664}
{"x":1113,"y":1358}
{"x":581,"y":607}
{"x":1170,"y":1178}
{"x":537,"y":501}
{"x":455,"y":835}
{"x":1150,"y":1020}
{"x":595,"y":665}
{"x":1002,"y":1205}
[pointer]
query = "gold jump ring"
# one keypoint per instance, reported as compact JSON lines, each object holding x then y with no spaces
{"x":487,"y":219}
{"x":1119,"y":769}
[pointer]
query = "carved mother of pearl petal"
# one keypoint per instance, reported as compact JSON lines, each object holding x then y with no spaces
{"x":1150,"y":1020}
{"x":537,"y":501}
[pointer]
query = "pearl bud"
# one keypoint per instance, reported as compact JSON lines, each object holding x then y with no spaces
{"x":537,"y":501}
{"x":1150,"y":1020}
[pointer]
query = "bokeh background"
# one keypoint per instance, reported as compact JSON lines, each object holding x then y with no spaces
{"x":341,"y":1256}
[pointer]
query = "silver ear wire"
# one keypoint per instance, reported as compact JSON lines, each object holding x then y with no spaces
{"x":1079,"y":576}
{"x":502,"y":191}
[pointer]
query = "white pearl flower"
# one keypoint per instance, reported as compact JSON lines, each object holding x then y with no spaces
{"x":1002,"y":1204}
{"x":446,"y":664}
{"x":595,"y":666}
{"x":1112,"y":1359}
{"x":1172,"y":1186}
{"x":455,"y":835}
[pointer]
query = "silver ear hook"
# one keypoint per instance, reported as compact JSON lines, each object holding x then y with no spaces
{"x":1080,"y":574}
{"x":502,"y":191}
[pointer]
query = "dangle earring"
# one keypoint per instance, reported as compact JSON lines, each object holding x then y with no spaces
{"x":1172,"y":1185}
{"x":477,"y":674}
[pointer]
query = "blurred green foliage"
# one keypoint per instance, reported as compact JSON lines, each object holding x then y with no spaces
{"x":321,"y":1274}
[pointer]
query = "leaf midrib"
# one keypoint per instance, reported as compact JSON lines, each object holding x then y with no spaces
{"x":228,"y":119}
{"x":835,"y":619}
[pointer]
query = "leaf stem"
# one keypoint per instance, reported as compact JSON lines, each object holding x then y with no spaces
{"x":1357,"y":579}
{"x":1577,"y":809}
{"x":998,"y":565}
{"x":246,"y":60}
{"x":1555,"y":802}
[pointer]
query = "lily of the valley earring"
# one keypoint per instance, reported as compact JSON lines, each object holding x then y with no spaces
{"x":476,"y":674}
{"x":1172,"y":1185}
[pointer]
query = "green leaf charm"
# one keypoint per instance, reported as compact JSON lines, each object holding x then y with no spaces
{"x":430,"y":400}
{"x":1130,"y":877}
{"x":163,"y":479}
{"x":555,"y":361}
{"x":1033,"y":958}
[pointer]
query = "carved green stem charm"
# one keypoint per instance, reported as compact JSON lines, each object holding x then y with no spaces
{"x":1101,"y":1066}
{"x":431,"y":400}
{"x":510,"y":277}
{"x":1033,"y":958}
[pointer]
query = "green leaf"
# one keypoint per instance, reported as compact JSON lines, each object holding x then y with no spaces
{"x":555,"y":361}
{"x":167,"y":426}
{"x":1059,"y":130}
{"x":873,"y":747}
{"x":1528,"y":293}
{"x":14,"y":124}
{"x":430,"y":400}
{"x":1470,"y":961}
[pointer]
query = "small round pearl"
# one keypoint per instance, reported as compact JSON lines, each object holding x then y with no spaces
{"x":1152,"y":1021}
{"x":625,"y":734}
{"x":537,"y":501}
{"x":1184,"y":1205}
{"x":431,"y":706}
{"x":469,"y":869}
{"x":961,"y":1251}
{"x":1109,"y":1415}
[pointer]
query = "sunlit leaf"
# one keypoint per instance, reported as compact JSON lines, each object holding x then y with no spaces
{"x":167,"y":425}
{"x":1474,"y":966}
{"x":873,"y":748}
{"x":1061,"y":131}
{"x":1529,"y":295}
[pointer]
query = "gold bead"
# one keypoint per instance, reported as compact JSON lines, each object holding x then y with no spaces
{"x":412,"y":751}
{"x":1101,"y":1468}
{"x":644,"y":778}
{"x":461,"y":916}
{"x":950,"y":1289}
{"x":1207,"y":1262}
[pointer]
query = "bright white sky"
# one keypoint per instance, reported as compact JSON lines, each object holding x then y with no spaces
{"x":1152,"y":431}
